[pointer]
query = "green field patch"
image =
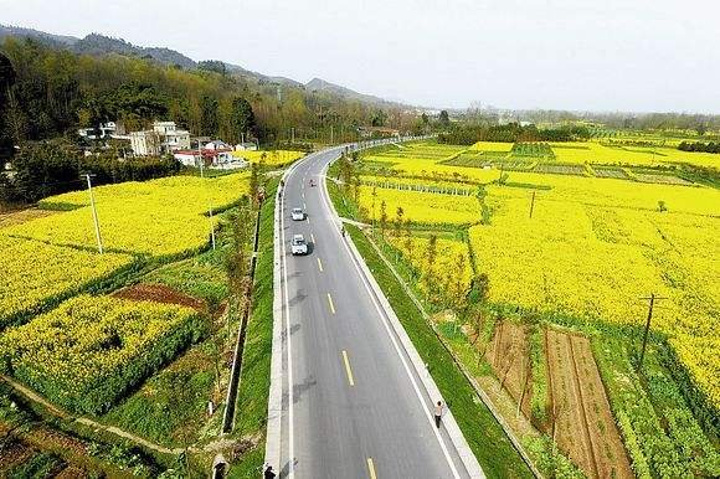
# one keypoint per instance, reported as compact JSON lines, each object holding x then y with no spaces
{"x":569,"y":147}
{"x":532,"y":150}
{"x":559,"y":169}
{"x":529,"y":186}
{"x":90,"y":351}
{"x":610,"y":172}
{"x":659,"y":177}
{"x":482,"y":159}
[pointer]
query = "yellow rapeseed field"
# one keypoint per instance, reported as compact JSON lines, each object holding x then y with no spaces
{"x":32,"y":272}
{"x":160,"y":218}
{"x":452,"y":270}
{"x":596,"y":153}
{"x":88,"y":351}
{"x":623,"y":193}
{"x":270,"y":157}
{"x":491,"y":146}
{"x":583,"y":255}
{"x":432,"y":169}
{"x":420,"y":207}
{"x":594,"y":246}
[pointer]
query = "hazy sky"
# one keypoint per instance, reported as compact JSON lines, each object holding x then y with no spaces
{"x":639,"y":55}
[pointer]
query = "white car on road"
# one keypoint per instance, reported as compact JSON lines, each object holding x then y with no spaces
{"x":299,"y":245}
{"x":298,"y":214}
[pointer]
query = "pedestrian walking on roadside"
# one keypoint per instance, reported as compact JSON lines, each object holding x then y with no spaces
{"x":269,"y":473}
{"x":438,"y":413}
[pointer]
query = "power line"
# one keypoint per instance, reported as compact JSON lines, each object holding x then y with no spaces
{"x":95,"y":215}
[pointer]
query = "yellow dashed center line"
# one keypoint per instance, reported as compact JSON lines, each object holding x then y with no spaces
{"x":351,"y":380}
{"x":320,"y":265}
{"x":371,"y":468}
{"x":330,"y":302}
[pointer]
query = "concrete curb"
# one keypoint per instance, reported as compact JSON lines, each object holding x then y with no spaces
{"x":467,"y":457}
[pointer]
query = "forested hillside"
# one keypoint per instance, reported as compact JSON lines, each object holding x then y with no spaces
{"x":56,"y":91}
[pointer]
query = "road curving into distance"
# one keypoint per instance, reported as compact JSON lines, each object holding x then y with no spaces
{"x":349,"y":397}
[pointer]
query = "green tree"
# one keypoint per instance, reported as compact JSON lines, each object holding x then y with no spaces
{"x":135,"y":103}
{"x":213,"y":66}
{"x":409,"y":243}
{"x":44,"y":169}
{"x":379,"y":118}
{"x":399,"y":213}
{"x":7,"y":80}
{"x":209,"y":123}
{"x":444,"y":119}
{"x":458,"y":290}
{"x":383,"y":217}
{"x":431,"y":257}
{"x":254,"y":183}
{"x":242,"y":120}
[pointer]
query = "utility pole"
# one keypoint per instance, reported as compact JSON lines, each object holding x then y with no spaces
{"x":95,"y":215}
{"x":212,"y":228}
{"x":202,"y":175}
{"x":293,"y":135}
{"x":202,"y":160}
{"x":332,"y":135}
{"x":532,"y":204}
{"x":652,"y":300}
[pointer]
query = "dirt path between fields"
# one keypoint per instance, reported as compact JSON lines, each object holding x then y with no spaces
{"x":33,"y":396}
{"x":583,"y":423}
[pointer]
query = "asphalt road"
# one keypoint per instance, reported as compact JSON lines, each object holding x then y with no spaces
{"x":356,"y":408}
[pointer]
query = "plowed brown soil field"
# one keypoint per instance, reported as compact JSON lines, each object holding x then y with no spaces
{"x":13,"y":454}
{"x":583,"y":422}
{"x":71,"y":472}
{"x":160,"y":294}
{"x":509,"y":356}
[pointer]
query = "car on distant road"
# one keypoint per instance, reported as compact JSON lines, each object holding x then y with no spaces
{"x":299,"y":245}
{"x":298,"y":214}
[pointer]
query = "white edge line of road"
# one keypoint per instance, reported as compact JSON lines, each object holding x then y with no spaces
{"x":466,"y":455}
{"x":288,"y":332}
{"x":273,"y":442}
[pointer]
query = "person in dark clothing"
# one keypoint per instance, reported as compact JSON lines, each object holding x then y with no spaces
{"x":269,"y":473}
{"x":438,"y":413}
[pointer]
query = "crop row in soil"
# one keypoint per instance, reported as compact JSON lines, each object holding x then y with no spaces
{"x":581,"y":420}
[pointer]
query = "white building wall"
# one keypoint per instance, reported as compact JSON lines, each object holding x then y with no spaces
{"x":145,"y":143}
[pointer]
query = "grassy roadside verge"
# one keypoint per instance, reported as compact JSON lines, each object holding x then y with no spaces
{"x":484,"y":435}
{"x":251,"y":415}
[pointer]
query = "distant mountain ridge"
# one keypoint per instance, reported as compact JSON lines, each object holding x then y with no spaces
{"x":98,"y":44}
{"x":318,"y":84}
{"x":55,"y":40}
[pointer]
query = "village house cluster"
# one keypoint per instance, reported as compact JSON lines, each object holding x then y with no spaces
{"x":165,"y":138}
